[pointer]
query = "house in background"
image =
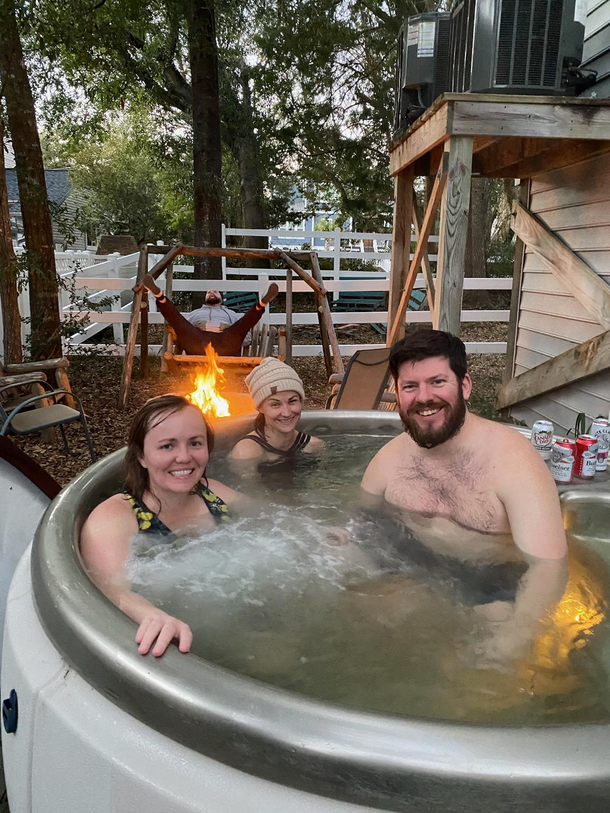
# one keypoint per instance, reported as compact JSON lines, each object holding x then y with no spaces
{"x":574,"y":202}
{"x":65,"y":203}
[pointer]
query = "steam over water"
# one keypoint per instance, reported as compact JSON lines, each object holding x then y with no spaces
{"x":370,"y":625}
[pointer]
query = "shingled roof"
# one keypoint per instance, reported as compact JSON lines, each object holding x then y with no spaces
{"x":58,"y":185}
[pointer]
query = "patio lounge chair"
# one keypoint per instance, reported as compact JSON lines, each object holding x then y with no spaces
{"x":363,"y":384}
{"x":22,"y":419}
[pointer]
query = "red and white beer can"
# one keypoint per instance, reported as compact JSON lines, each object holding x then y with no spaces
{"x":588,"y":462}
{"x":584,"y":443}
{"x":542,"y":438}
{"x":562,"y":469}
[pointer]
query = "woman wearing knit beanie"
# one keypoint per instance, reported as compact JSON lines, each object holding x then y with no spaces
{"x":278,"y":395}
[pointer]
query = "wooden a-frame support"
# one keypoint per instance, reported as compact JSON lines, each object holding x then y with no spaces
{"x":451,"y":194}
{"x":140,"y":299}
{"x":588,"y":289}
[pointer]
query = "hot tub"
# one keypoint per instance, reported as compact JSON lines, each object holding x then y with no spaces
{"x":102,"y":729}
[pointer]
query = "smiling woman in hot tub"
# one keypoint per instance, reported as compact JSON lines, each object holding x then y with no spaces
{"x":166,"y":493}
{"x":278,"y":394}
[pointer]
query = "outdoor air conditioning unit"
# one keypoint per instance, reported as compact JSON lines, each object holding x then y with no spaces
{"x":422,"y":70}
{"x":517,"y":46}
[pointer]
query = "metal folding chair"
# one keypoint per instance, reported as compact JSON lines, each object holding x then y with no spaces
{"x":22,"y":420}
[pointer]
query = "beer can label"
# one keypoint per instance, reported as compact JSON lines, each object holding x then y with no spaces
{"x":562,"y":469}
{"x":602,"y":460}
{"x":587,"y":465}
{"x":600,"y":429}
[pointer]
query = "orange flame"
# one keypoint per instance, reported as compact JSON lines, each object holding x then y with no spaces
{"x":208,"y":386}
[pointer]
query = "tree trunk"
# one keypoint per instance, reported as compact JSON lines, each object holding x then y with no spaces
{"x":477,"y":240}
{"x":42,"y":278}
{"x":478,"y":228}
{"x":9,"y":294}
{"x":247,"y":154}
{"x":207,"y":155}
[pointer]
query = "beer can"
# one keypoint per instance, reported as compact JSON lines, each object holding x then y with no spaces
{"x":584,"y":443}
{"x":562,"y":469}
{"x":542,"y":438}
{"x":588,"y":462}
{"x":602,"y":459}
{"x":563,"y":448}
{"x":600,"y":429}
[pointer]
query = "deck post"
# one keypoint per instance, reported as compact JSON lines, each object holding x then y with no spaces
{"x":401,"y":241}
{"x":455,"y":206}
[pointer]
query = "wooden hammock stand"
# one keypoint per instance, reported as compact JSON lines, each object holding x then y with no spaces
{"x":292,"y":260}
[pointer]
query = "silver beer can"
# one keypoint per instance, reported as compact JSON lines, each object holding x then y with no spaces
{"x":542,"y":438}
{"x":562,"y":469}
{"x":587,"y":465}
{"x":600,"y":428}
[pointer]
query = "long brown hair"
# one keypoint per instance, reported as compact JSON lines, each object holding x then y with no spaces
{"x":150,"y":415}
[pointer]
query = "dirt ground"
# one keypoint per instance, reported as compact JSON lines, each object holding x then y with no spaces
{"x":96,"y":380}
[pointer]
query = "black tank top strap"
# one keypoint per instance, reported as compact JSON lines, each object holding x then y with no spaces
{"x":300,"y":442}
{"x":148,"y":521}
{"x":216,"y":506}
{"x":260,"y":439}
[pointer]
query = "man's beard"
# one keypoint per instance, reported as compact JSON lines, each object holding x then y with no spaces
{"x":429,"y":438}
{"x":213,"y":300}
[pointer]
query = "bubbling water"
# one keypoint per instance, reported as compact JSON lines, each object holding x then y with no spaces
{"x":364,"y":624}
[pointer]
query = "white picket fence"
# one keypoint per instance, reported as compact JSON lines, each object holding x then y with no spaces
{"x":113,"y":276}
{"x":374,"y":247}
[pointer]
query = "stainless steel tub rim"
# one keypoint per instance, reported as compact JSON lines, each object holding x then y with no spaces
{"x":385,"y":762}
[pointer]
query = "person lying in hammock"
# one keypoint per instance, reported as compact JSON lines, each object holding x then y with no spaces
{"x":193,"y":340}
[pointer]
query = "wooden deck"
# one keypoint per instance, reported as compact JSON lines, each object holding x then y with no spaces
{"x":466,"y":135}
{"x":513,"y":136}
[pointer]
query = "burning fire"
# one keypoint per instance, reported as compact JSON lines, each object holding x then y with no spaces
{"x":208,"y":385}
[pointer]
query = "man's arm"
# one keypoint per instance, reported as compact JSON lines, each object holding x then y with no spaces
{"x":375,"y":478}
{"x":530,"y":498}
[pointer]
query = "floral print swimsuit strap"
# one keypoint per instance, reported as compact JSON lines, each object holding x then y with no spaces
{"x":149,"y":522}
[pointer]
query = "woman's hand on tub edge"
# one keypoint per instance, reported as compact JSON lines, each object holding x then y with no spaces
{"x":161,"y":629}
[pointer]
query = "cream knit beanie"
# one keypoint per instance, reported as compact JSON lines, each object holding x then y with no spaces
{"x":270,"y":377}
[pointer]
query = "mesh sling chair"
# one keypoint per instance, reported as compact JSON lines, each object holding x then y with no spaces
{"x":22,"y":420}
{"x":363,"y":384}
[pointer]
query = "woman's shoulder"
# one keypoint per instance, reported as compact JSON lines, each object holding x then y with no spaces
{"x":111,"y":516}
{"x":247,"y":449}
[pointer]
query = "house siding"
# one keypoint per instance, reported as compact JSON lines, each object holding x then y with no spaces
{"x":596,"y":52}
{"x":575,"y":203}
{"x":70,"y":207}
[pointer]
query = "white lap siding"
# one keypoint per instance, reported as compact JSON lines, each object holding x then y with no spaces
{"x":575,"y":203}
{"x":596,"y":53}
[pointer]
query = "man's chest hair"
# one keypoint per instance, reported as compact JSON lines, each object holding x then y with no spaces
{"x":458,"y":486}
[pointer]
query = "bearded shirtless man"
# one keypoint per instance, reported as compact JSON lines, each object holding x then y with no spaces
{"x":468,"y":488}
